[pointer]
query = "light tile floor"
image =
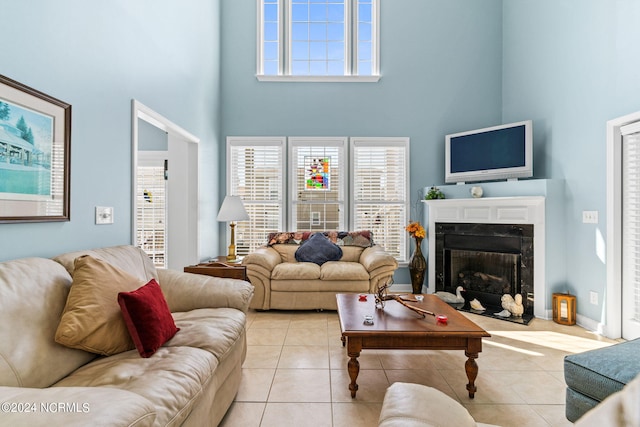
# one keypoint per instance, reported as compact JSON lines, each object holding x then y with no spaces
{"x":295,"y":373}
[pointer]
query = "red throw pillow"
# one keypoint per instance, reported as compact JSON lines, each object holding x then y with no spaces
{"x":148,"y":317}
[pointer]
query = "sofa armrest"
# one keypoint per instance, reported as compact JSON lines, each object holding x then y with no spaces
{"x":188,"y":291}
{"x":265,"y":257}
{"x":375,"y":257}
{"x":74,"y":407}
{"x":260,"y":263}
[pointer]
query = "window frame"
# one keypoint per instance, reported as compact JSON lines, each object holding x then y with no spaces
{"x":385,"y":142}
{"x":339,"y":143}
{"x":280,"y":143}
{"x":347,"y":146}
{"x":351,"y":46}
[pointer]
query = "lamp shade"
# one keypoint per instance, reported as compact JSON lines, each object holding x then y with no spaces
{"x":232,"y":209}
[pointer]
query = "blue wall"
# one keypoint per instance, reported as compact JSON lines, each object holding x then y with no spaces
{"x":97,"y":56}
{"x":447,"y":66}
{"x":571,"y":66}
{"x":441,"y":63}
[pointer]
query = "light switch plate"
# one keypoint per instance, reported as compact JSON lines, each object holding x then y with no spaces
{"x":589,"y":217}
{"x":104,"y":215}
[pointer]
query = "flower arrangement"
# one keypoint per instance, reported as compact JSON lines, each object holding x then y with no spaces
{"x":416,"y":230}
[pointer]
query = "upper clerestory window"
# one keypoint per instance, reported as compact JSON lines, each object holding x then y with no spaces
{"x":318,"y":40}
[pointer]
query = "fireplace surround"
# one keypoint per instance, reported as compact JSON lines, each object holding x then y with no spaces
{"x":515,"y":215}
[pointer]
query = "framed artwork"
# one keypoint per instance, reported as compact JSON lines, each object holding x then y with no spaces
{"x":35,"y":144}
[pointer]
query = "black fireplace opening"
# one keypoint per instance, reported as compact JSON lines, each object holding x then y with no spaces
{"x":488,"y":261}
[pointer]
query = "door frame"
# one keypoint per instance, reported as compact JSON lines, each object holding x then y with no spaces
{"x":613,"y":326}
{"x":140,"y":111}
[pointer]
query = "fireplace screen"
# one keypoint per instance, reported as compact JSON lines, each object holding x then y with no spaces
{"x":486,"y":272}
{"x":487,"y":260}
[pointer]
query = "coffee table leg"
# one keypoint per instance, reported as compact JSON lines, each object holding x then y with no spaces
{"x":471,"y":367}
{"x":353,"y":366}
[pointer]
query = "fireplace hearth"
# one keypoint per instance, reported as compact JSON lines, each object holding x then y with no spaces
{"x":488,"y":261}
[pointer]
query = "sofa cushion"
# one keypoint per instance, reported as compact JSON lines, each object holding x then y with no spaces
{"x":295,"y":271}
{"x":287,"y":252}
{"x":172,"y":379}
{"x":129,"y":258}
{"x":343,"y":270}
{"x":215,"y":330}
{"x":92,"y":320}
{"x":297,"y":287}
{"x":148,"y":318}
{"x":318,"y":249}
{"x":351,"y":253}
{"x":33,"y":292}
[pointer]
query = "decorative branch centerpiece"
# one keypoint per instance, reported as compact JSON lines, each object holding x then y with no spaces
{"x":382,"y":296}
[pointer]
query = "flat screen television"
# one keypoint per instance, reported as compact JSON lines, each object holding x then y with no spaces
{"x":493,"y":153}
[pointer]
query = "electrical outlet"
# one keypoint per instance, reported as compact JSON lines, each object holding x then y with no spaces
{"x":589,"y":217}
{"x":104,"y":215}
{"x":593,"y":298}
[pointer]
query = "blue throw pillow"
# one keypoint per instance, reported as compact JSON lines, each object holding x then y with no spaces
{"x":318,"y":249}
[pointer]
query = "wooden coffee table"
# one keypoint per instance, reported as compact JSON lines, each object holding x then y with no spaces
{"x":397,"y":327}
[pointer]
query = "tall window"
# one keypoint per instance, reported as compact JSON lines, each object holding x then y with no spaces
{"x":320,"y":194}
{"x":318,"y":38}
{"x":380,"y":190}
{"x":317,"y":183}
{"x":255,"y":172}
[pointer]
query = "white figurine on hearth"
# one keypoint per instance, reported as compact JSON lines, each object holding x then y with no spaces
{"x":514,"y":305}
{"x":450,"y":298}
{"x":476,"y":305}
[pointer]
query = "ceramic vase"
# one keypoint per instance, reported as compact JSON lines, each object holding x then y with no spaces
{"x":417,"y":268}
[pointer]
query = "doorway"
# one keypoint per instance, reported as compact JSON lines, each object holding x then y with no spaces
{"x":623,"y":227}
{"x":165,"y":219}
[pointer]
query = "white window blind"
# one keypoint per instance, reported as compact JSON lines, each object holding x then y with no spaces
{"x":317,"y":183}
{"x":631,"y":224}
{"x":255,"y":172}
{"x":380,"y":191}
{"x":151,"y":212}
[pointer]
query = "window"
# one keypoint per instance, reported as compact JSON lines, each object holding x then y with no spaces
{"x":151,"y":208}
{"x":318,"y":40}
{"x":319,"y":189}
{"x":255,"y":172}
{"x":317,"y":183}
{"x":380,"y":190}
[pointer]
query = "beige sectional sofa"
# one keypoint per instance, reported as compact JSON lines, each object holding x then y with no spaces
{"x":282,"y":282}
{"x":190,"y":381}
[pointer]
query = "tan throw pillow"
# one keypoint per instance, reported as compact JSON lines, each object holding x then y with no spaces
{"x":92,"y":319}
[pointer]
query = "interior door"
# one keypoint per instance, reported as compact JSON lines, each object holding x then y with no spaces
{"x":631,"y":231}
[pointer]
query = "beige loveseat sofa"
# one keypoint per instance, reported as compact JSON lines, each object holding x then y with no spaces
{"x":282,"y":282}
{"x":190,"y":381}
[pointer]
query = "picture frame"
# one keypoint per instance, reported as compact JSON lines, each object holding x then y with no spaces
{"x":35,"y":153}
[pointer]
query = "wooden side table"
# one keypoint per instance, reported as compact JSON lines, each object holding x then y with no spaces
{"x":219,"y":268}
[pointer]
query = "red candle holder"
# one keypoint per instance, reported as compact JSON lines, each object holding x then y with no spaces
{"x":441,"y":319}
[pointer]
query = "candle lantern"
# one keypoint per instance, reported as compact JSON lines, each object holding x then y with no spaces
{"x":564,"y":309}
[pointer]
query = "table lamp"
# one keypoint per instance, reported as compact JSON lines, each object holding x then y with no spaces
{"x":232,"y":209}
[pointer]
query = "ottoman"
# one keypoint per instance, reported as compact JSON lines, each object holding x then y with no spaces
{"x":594,"y":375}
{"x":416,"y":405}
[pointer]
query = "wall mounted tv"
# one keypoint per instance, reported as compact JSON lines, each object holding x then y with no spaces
{"x":493,"y":153}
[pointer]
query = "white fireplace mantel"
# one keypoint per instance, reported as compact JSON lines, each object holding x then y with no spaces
{"x":495,"y":210}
